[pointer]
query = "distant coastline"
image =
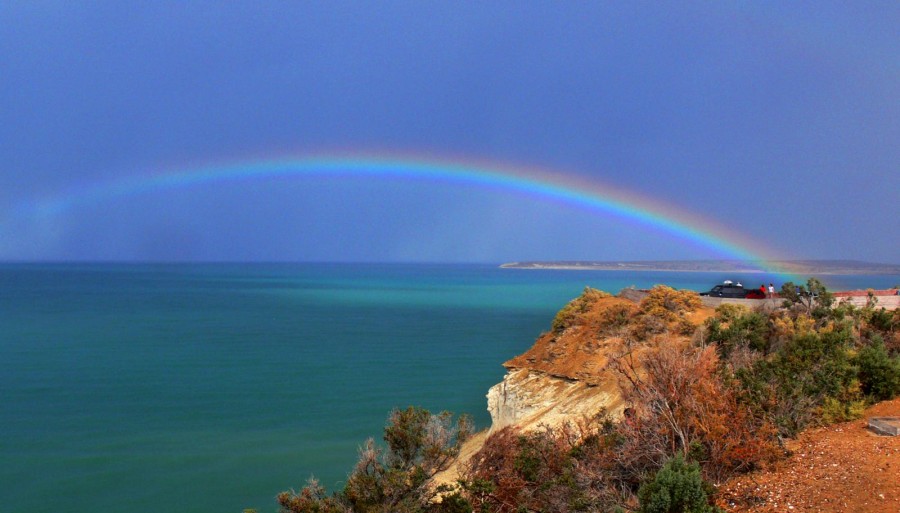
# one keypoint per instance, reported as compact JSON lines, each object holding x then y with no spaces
{"x":736,"y":266}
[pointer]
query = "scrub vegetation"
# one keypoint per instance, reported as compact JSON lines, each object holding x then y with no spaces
{"x":705,"y":402}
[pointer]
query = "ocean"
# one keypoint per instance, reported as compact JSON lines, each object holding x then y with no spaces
{"x":211,"y":387}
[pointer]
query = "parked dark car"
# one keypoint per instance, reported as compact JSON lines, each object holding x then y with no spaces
{"x":735,"y":291}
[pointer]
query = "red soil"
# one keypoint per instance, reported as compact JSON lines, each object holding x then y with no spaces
{"x":844,"y":467}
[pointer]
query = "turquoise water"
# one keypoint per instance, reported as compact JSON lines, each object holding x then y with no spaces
{"x":209,"y":388}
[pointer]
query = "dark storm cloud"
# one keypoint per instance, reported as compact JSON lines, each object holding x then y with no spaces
{"x":779,"y":121}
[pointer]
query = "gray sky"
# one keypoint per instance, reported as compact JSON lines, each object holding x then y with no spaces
{"x":779,"y":121}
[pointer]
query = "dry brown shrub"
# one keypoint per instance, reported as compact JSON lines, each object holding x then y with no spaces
{"x":614,"y":319}
{"x":664,"y":310}
{"x":524,"y":469}
{"x":566,"y":468}
{"x":681,"y":405}
{"x":670,"y":304}
{"x":572,"y":314}
{"x":644,"y":326}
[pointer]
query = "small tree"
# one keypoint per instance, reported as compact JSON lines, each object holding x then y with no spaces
{"x":813,"y":298}
{"x":420,"y":444}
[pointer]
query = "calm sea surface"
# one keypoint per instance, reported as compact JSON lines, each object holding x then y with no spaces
{"x":210,"y":388}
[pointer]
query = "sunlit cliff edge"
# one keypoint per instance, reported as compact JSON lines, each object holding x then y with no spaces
{"x":567,"y":374}
{"x":661,"y":393}
{"x":564,"y":375}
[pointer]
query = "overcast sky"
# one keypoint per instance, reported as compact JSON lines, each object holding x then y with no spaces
{"x":777,"y":120}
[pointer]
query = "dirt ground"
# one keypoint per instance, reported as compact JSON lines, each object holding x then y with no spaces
{"x":844,"y":467}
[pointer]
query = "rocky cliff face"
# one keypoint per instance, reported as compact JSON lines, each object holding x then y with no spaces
{"x":566,"y":374}
{"x":527,"y":398}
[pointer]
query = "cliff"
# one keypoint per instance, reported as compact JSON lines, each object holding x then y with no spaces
{"x":644,"y":347}
{"x":710,"y":399}
{"x":527,"y":398}
{"x":566,"y":374}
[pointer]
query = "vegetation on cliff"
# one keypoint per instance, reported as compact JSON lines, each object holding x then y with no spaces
{"x":395,"y":479}
{"x":708,"y":397}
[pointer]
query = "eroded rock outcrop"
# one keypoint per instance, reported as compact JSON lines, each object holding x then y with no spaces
{"x":566,"y":374}
{"x":527,"y":399}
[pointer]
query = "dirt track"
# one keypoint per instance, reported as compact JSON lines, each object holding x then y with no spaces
{"x":844,"y":467}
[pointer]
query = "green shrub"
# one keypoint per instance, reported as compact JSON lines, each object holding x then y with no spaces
{"x":820,"y":363}
{"x":676,"y":488}
{"x":734,"y":328}
{"x":791,"y":387}
{"x":420,"y":444}
{"x":879,"y":373}
{"x":833,"y":410}
{"x":884,"y":322}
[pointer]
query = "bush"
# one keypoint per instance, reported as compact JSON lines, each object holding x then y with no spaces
{"x":680,"y":404}
{"x":833,"y":410}
{"x":614,"y":319}
{"x":664,"y":310}
{"x":736,"y":328}
{"x":643,"y":326}
{"x":879,"y":373}
{"x":669,"y":304}
{"x":792,"y":386}
{"x":886,"y":323}
{"x":533,"y":471}
{"x":311,"y":499}
{"x":676,"y":488}
{"x":569,"y":314}
{"x":420,"y":444}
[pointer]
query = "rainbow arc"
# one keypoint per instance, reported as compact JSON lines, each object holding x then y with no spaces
{"x":591,"y":195}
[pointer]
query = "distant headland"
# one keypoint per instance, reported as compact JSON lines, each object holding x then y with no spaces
{"x":790,"y":266}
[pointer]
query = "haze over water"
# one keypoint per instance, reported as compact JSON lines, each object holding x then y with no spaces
{"x":211,"y":387}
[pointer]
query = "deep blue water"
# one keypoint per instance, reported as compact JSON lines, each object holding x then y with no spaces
{"x":210,"y":388}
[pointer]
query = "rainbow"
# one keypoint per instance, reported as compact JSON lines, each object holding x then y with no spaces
{"x":539,"y":183}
